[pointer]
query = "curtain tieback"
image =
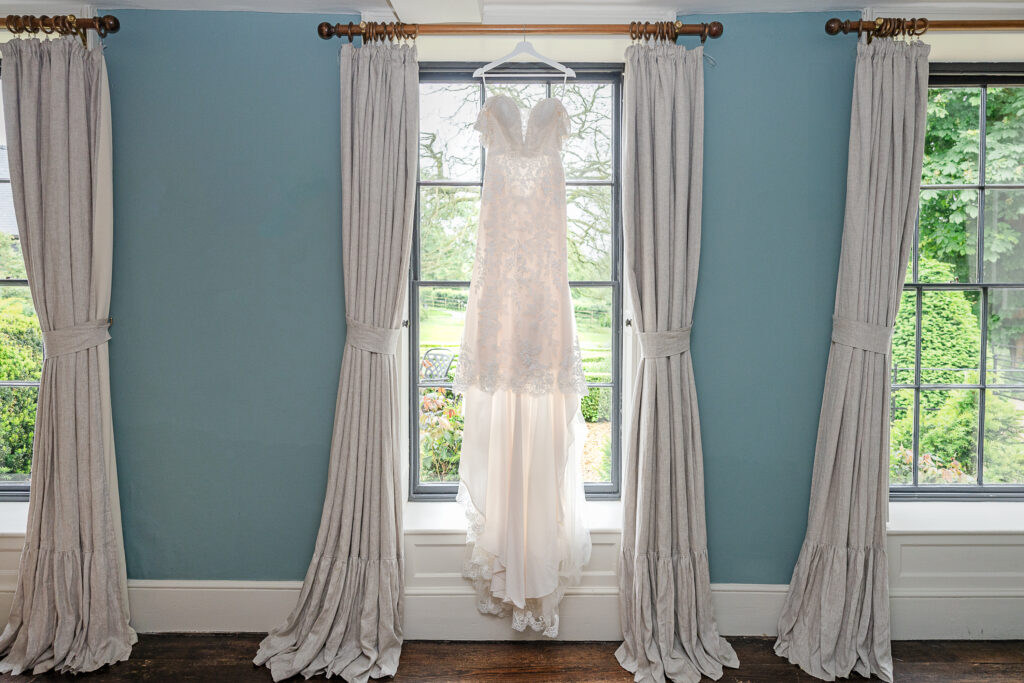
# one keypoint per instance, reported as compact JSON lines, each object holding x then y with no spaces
{"x":370,"y":338}
{"x":75,"y":338}
{"x":664,"y":344}
{"x":861,"y":335}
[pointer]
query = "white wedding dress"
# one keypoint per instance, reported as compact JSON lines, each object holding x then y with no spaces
{"x":521,"y":377}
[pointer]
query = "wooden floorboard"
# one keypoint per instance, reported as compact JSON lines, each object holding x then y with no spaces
{"x":227,"y":658}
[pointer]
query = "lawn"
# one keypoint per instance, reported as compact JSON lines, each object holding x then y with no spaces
{"x":440,"y":327}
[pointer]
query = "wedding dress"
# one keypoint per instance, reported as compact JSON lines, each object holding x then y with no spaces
{"x":521,"y":376}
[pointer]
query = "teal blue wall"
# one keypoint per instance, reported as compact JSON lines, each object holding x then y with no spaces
{"x":227,"y":301}
{"x":227,"y":304}
{"x":777,"y":124}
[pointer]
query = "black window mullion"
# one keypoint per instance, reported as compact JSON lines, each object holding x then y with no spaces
{"x":983,"y":382}
{"x":917,"y":383}
{"x":983,"y":370}
{"x":982,"y":126}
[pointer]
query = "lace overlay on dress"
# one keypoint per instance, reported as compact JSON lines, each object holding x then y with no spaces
{"x":520,"y":331}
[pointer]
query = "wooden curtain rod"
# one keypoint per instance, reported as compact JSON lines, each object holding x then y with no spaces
{"x":889,"y":27}
{"x":371,"y":30}
{"x":62,"y":24}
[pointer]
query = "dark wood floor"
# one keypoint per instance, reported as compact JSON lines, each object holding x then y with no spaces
{"x":228,"y":658}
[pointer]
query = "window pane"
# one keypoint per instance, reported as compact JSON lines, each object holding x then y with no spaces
{"x":442,"y":318}
{"x":949,"y":437}
{"x":449,"y":147}
{"x":597,"y":449}
{"x":904,"y":340}
{"x":1004,"y":136}
{"x":17,"y":425}
{"x":526,"y":95}
{"x":950,"y":337}
{"x":1004,"y":436}
{"x":901,"y":436}
{"x":593,"y":308}
{"x":12,"y":263}
{"x":948,"y":227}
{"x":589,"y":215}
{"x":441,"y":425}
{"x":1005,"y":357}
{"x":1004,"y":230}
{"x":449,"y":217}
{"x":588,"y":151}
{"x":21,"y":341}
{"x":951,"y":141}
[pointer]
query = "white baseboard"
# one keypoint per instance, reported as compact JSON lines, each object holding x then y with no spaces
{"x":586,"y":613}
{"x":210,"y":606}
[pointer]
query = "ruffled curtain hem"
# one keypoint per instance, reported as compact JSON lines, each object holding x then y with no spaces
{"x":329,"y":635}
{"x":668,"y":624}
{"x":836,"y":616}
{"x":74,"y":611}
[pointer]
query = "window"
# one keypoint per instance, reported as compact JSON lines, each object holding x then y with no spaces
{"x":957,"y":421}
{"x":21,"y":349}
{"x":451,"y":176}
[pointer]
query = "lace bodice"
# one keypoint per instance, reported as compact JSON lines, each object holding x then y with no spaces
{"x":520,"y":332}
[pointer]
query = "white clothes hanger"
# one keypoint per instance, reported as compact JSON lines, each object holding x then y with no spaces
{"x":525,"y":48}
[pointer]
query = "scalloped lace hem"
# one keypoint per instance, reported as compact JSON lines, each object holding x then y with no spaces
{"x":539,"y":614}
{"x":531,"y":377}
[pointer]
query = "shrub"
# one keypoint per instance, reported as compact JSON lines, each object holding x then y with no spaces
{"x":596,"y":406}
{"x":441,"y":425}
{"x":950,"y":322}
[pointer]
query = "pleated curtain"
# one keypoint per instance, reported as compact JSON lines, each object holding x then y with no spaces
{"x":70,"y":611}
{"x":836,"y":615}
{"x":668,"y":624}
{"x":348,"y":620}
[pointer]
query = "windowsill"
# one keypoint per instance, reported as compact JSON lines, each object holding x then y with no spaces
{"x":957,"y":517}
{"x":910,"y":517}
{"x":13,"y":518}
{"x":448,"y":516}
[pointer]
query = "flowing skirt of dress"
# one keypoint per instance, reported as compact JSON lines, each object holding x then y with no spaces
{"x":520,"y":472}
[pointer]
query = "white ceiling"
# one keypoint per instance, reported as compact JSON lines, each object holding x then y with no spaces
{"x":543,"y":11}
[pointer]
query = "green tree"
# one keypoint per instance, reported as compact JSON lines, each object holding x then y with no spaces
{"x":21,"y":359}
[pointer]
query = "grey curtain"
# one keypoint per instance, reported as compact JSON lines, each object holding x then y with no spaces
{"x":836,"y":615}
{"x":668,"y":624}
{"x":348,"y":621}
{"x":70,"y":608}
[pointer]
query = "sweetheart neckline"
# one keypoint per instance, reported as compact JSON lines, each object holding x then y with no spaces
{"x":524,"y":131}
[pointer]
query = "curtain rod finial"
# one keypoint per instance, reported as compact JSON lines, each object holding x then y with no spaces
{"x":833,"y":26}
{"x":715,"y":29}
{"x":111,"y":23}
{"x":325,"y":30}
